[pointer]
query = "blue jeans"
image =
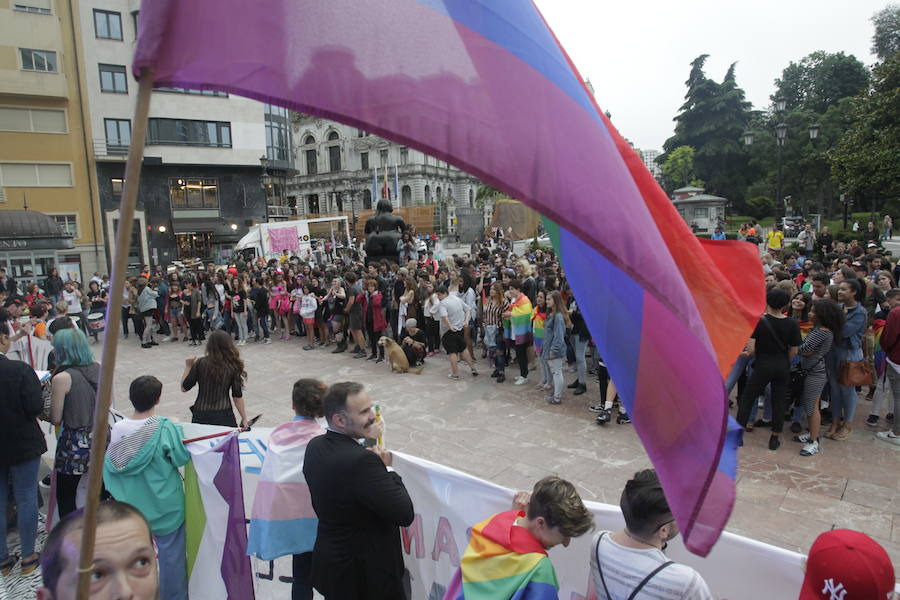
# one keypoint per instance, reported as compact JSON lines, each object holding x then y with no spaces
{"x":24,"y":479}
{"x":843,"y":397}
{"x":580,"y":362}
{"x":737,"y":370}
{"x":173,"y":581}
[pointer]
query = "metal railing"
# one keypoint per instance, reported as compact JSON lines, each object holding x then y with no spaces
{"x":276,"y":210}
{"x":103,"y":148}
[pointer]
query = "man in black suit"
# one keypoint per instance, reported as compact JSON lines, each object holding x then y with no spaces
{"x":361,"y":503}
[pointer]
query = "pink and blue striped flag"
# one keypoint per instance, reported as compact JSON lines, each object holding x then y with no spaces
{"x":486,"y":86}
{"x":283,"y":520}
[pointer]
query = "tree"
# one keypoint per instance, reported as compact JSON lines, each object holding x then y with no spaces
{"x":819,"y":80}
{"x":760,"y":207}
{"x":711,"y":121}
{"x":864,"y":163}
{"x":678,"y":168}
{"x":886,"y":40}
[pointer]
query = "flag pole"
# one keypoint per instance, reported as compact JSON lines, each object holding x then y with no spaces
{"x":110,"y":342}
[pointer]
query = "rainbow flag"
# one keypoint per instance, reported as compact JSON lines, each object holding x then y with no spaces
{"x":879,"y":353}
{"x":537,"y":328}
{"x":518,"y":328}
{"x":503,"y":561}
{"x":494,"y":94}
{"x":282,"y":520}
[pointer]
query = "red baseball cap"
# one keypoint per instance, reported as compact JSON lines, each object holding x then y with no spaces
{"x":847,"y":565}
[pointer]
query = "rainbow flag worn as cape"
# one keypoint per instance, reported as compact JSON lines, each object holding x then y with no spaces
{"x":494,"y":94}
{"x":880,"y":354}
{"x":518,"y":330}
{"x":503,"y":562}
{"x":537,"y":328}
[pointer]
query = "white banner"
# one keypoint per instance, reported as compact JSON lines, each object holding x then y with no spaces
{"x":447,"y":502}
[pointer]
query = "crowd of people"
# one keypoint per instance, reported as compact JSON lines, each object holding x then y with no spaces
{"x":811,"y":355}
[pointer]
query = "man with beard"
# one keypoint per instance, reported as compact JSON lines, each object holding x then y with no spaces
{"x":361,"y":503}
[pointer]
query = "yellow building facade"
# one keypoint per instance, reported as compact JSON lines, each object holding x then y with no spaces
{"x":46,"y":159}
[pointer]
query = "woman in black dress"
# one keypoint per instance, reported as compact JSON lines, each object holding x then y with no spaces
{"x":216,"y":374}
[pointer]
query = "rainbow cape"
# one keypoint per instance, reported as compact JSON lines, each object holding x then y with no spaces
{"x":485,"y":86}
{"x":537,"y":328}
{"x":503,"y":562}
{"x":518,"y":328}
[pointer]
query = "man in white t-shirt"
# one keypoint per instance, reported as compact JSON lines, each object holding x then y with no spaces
{"x":454,"y":316}
{"x":630,"y":563}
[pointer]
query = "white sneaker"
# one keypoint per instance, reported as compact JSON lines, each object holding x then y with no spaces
{"x":810,"y":449}
{"x":889,"y":436}
{"x":520,"y":380}
{"x":242,"y":343}
{"x":166,"y":339}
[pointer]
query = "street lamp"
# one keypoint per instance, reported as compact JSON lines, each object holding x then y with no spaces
{"x":780,"y":105}
{"x":162,"y":228}
{"x":748,"y":138}
{"x":234,"y":226}
{"x":814,"y":131}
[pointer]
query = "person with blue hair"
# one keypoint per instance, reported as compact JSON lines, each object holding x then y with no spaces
{"x":72,"y":406}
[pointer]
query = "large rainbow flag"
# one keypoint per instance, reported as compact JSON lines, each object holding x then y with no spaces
{"x":502,"y":561}
{"x":486,"y":86}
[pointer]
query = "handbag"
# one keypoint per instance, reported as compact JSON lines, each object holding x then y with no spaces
{"x":856,"y":373}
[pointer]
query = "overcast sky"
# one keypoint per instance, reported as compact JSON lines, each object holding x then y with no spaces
{"x":637,"y":53}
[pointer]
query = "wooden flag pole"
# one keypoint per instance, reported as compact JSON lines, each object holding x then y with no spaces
{"x":110,"y":342}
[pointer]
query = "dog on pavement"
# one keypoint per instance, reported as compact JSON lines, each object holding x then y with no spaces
{"x":396,"y":358}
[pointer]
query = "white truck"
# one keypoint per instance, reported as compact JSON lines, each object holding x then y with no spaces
{"x":269,"y":240}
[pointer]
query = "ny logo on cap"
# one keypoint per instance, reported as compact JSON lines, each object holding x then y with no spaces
{"x":837,"y":592}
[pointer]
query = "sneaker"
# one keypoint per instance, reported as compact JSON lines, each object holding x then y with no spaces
{"x":520,"y":380}
{"x":553,"y":400}
{"x":359,"y":355}
{"x":796,"y":428}
{"x":889,"y":417}
{"x":167,"y":339}
{"x":810,"y":449}
{"x":595,"y":408}
{"x":474,"y":372}
{"x":373,"y":357}
{"x":623,"y":419}
{"x":603,"y":417}
{"x":761,"y":423}
{"x":803,"y":438}
{"x":266,"y":341}
{"x":774,"y":442}
{"x":501,"y":378}
{"x":872,"y":420}
{"x":889,"y":436}
{"x":452,"y":376}
{"x":381,"y":359}
{"x":307,"y":347}
{"x":581,"y":389}
{"x":242,"y":343}
{"x":574,"y":385}
{"x":495,"y":374}
{"x":339,"y":349}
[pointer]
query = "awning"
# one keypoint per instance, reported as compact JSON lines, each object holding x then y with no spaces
{"x":31,"y":230}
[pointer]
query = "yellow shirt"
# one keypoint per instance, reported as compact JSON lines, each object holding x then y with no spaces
{"x":775,"y":239}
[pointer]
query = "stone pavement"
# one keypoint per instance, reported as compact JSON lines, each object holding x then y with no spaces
{"x":509,"y":435}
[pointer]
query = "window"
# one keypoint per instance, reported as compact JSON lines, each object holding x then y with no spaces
{"x":194,"y":193}
{"x":312,"y":166}
{"x":701,"y":212}
{"x":334,"y":158}
{"x":134,"y":18}
{"x":309,"y":140}
{"x":67,"y":223}
{"x":333,"y":136}
{"x":404,"y":156}
{"x":312,"y":202}
{"x":32,"y":120}
{"x":35,"y":175}
{"x":107,"y":25}
{"x":182,"y":132}
{"x":192,"y":92}
{"x":360,"y":133}
{"x":278,"y":134}
{"x":364,"y":161}
{"x":367,"y":200}
{"x":38,"y":60}
{"x":118,"y":135}
{"x":383,"y":156}
{"x":113,"y":79}
{"x":41,"y":7}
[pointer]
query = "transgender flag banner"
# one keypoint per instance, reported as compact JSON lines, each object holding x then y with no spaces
{"x":215,"y":527}
{"x":485,"y":86}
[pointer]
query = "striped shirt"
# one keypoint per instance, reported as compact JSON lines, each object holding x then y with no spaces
{"x":625,"y":568}
{"x":493,"y":312}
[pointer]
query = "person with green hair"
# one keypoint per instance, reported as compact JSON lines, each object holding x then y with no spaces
{"x":72,"y":406}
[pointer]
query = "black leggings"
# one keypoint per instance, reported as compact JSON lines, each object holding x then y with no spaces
{"x":373,"y":341}
{"x":302,"y":588}
{"x":776,"y":371}
{"x":125,"y":318}
{"x":196,"y":327}
{"x":522,"y":359}
{"x":66,"y":487}
{"x":432,"y":334}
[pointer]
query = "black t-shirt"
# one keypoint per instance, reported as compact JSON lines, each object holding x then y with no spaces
{"x":767,"y":345}
{"x":95,"y":298}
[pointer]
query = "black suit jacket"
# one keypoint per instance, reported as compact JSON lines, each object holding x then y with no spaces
{"x":361,"y":506}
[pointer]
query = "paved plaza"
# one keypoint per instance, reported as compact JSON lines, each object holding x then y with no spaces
{"x":509,"y":435}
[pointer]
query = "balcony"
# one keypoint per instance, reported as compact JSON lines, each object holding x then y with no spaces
{"x":276,"y":211}
{"x":103,"y":149}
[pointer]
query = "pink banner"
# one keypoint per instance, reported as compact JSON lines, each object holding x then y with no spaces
{"x":283,"y":238}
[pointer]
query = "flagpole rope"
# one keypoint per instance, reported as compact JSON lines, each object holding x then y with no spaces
{"x":110,"y":342}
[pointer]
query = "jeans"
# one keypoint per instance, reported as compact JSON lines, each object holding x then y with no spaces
{"x":843,"y":397}
{"x":739,"y":367}
{"x":24,"y":478}
{"x":149,"y":329}
{"x":580,"y":362}
{"x":546,"y":375}
{"x":241,"y":320}
{"x":894,"y":381}
{"x":263,"y":324}
{"x":173,"y":581}
{"x":554,"y":366}
{"x":493,"y":339}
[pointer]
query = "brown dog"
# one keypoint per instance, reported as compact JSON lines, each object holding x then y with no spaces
{"x":396,"y":357}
